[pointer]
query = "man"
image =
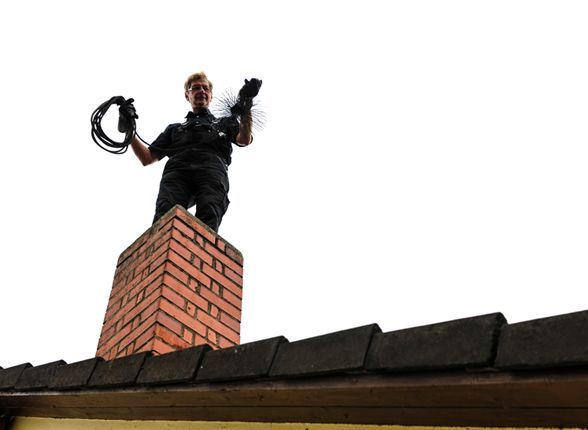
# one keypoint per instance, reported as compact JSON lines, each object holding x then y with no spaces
{"x":199,"y":152}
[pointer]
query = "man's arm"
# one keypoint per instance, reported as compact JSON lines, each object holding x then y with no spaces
{"x":243,"y":108}
{"x":143,"y":153}
{"x":245,"y":136}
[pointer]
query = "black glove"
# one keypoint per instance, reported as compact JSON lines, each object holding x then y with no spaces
{"x":127,"y":114}
{"x":251,"y":88}
{"x":246,"y":94}
{"x":243,"y":105}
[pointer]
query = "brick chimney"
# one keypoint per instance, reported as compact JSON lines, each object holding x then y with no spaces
{"x":178,"y":285}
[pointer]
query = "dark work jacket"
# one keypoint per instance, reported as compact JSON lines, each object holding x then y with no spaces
{"x":202,"y":141}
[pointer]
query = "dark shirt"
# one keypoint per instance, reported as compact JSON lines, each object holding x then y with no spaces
{"x":202,"y":140}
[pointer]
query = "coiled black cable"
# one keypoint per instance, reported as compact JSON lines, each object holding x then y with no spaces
{"x":126,"y":125}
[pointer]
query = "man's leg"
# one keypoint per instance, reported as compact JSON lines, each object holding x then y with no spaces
{"x":211,"y":204}
{"x":173,"y":190}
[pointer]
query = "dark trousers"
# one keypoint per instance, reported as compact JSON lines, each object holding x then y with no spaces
{"x":207,"y":189}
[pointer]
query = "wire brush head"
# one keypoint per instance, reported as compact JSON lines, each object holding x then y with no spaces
{"x":230,"y":104}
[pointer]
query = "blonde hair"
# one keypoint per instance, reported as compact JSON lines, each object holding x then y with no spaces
{"x":199,"y":76}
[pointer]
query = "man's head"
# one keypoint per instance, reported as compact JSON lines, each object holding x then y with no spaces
{"x":198,"y":90}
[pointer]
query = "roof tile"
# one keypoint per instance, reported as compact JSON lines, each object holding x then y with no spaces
{"x":462,"y":343}
{"x":9,"y":377}
{"x":37,"y":378}
{"x":73,"y":375}
{"x":118,"y":372}
{"x":558,"y":341}
{"x":341,"y":351}
{"x":249,"y":360}
{"x":177,"y":366}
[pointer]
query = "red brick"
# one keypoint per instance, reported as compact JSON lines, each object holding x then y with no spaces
{"x":200,"y":340}
{"x":188,"y":336}
{"x":145,"y":347}
{"x":213,"y":324}
{"x":157,"y":248}
{"x":216,"y":288}
{"x":114,"y":340}
{"x":182,"y":317}
{"x":231,"y":298}
{"x":105,"y":335}
{"x":194,"y":285}
{"x":131,"y":313}
{"x":159,"y":237}
{"x":226,"y":343}
{"x":231,"y":322}
{"x":186,"y":230}
{"x":177,"y":273}
{"x":141,"y":331}
{"x":218,"y":266}
{"x":163,"y":228}
{"x":191,"y":309}
{"x":171,"y":282}
{"x":124,"y":351}
{"x":223,"y":304}
{"x":190,"y":220}
{"x":189,"y":269}
{"x":181,"y":250}
{"x":170,"y":338}
{"x":112,"y":310}
{"x":138,"y":285}
{"x":106,"y":355}
{"x":234,"y":255}
{"x":159,"y":347}
{"x":159,"y":261}
{"x":166,"y":218}
{"x":223,"y":258}
{"x":146,"y":336}
{"x":213,"y":311}
{"x":220,"y":244}
{"x":117,"y":292}
{"x":174,"y":297}
{"x":232,"y":275}
{"x":186,"y":293}
{"x":152,"y":261}
{"x":223,"y":280}
{"x":200,"y":241}
{"x":212,"y":336}
{"x":169,"y":322}
{"x":145,"y":290}
{"x":202,"y":231}
{"x":131,"y":309}
{"x":192,"y":247}
{"x":151,"y":309}
{"x":121,"y":279}
{"x":133,"y":247}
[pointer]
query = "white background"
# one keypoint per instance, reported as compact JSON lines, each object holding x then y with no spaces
{"x":422,"y":161}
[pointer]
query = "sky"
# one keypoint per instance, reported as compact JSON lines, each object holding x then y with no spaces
{"x":422,"y":161}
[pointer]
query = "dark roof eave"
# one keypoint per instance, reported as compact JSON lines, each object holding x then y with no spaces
{"x":459,"y":398}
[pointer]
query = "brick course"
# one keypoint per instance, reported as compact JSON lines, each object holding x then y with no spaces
{"x":178,"y":285}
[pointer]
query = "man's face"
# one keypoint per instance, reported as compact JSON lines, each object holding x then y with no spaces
{"x":199,"y":94}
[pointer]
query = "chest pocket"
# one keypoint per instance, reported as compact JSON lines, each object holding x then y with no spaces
{"x":229,"y":126}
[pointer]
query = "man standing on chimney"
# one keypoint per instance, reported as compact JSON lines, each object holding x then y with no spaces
{"x":199,"y":151}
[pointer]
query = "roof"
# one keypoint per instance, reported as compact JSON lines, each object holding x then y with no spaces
{"x":475,"y":371}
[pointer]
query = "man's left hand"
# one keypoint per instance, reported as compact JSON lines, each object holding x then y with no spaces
{"x":251,"y":88}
